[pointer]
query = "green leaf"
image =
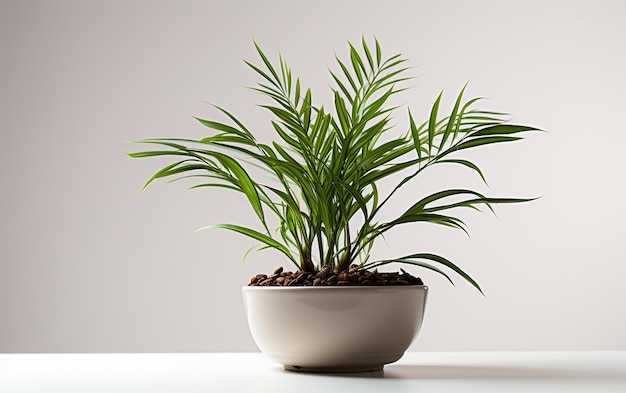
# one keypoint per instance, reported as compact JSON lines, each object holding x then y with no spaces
{"x":221,"y":127}
{"x":502,"y":129}
{"x":421,"y":204}
{"x":247,"y":185}
{"x":438,"y":219}
{"x":487,"y":140}
{"x":175,"y":169}
{"x":143,"y":154}
{"x":376,"y":175}
{"x":432,"y":123}
{"x":388,"y":79}
{"x":409,"y":262}
{"x":262,"y":73}
{"x":297,"y":94}
{"x":357,"y":65}
{"x":462,"y":115}
{"x":342,"y":113}
{"x":243,"y":129}
{"x":266,"y":61}
{"x":306,"y":110}
{"x":218,"y":185}
{"x":368,"y":54}
{"x":347,"y":75}
{"x":452,"y":119}
{"x":447,"y":263}
{"x":373,"y":109}
{"x":263,"y":238}
{"x":343,"y":88}
{"x":468,"y":164}
{"x":416,"y":137}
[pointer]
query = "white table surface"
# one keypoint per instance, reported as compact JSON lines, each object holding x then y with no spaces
{"x":508,"y":372}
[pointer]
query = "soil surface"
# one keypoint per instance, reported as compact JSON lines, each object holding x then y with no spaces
{"x":327,"y":277}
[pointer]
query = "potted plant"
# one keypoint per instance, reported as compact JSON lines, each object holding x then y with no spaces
{"x":317,"y":196}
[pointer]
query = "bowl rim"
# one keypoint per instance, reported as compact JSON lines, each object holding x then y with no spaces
{"x":334,"y":287}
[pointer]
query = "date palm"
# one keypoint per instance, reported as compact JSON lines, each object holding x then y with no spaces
{"x":321,"y":203}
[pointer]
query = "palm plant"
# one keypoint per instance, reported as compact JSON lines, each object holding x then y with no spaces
{"x":326,"y":165}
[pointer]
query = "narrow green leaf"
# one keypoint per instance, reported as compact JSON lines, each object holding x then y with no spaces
{"x":421,"y":204}
{"x":288,"y":118}
{"x":143,"y":154}
{"x":486,"y":140}
{"x":392,"y":62}
{"x":438,"y":219}
{"x":263,"y":238}
{"x":468,"y":164}
{"x":373,"y":109}
{"x":220,"y":126}
{"x":177,"y":168}
{"x":357,"y":65}
{"x":502,"y":129}
{"x":342,"y":113}
{"x":297,"y":95}
{"x":425,"y":265}
{"x":432,"y":123}
{"x":263,"y":74}
{"x":376,"y":175}
{"x":343,"y":88}
{"x":416,"y":137}
{"x":266,"y":61}
{"x":447,"y":263}
{"x":388,"y":79}
{"x":245,"y":182}
{"x":218,"y":185}
{"x":306,"y":110}
{"x":347,"y":74}
{"x":161,"y":173}
{"x":244,"y":130}
{"x":462,"y":115}
{"x":452,"y":119}
{"x":368,"y":54}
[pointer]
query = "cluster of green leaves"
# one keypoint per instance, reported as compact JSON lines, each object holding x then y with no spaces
{"x":325,"y":165}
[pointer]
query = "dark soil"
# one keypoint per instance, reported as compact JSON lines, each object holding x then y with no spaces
{"x":326,"y":277}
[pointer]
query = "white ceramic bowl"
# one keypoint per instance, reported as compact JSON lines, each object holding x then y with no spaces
{"x":335,"y":329}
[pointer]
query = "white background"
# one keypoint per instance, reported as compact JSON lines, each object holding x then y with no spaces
{"x":89,"y":264}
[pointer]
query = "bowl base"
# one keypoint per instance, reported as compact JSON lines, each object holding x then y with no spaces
{"x":335,"y":369}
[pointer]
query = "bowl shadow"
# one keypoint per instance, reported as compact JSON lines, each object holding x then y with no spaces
{"x":471,"y":372}
{"x":451,"y":372}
